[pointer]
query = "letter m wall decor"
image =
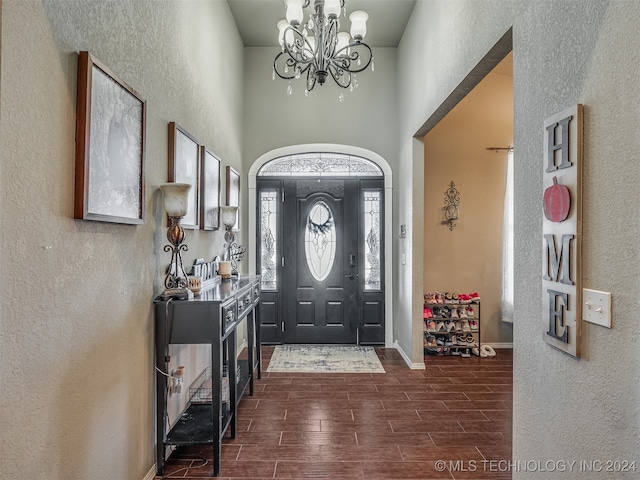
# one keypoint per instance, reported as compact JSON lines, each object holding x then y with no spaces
{"x":562,"y":230}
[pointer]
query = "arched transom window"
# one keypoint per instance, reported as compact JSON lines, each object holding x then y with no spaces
{"x":321,"y":164}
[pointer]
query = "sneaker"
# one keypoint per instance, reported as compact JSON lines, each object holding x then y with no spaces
{"x":440,"y":327}
{"x":451,"y":326}
{"x":475,"y":298}
{"x":454,"y":313}
{"x":448,"y":342}
{"x":431,"y":327}
{"x":473,"y":324}
{"x":462,"y":312}
{"x":464,"y":298}
{"x":440,"y":341}
{"x":471,"y":341}
{"x":465,"y":326}
{"x":465,"y":353}
{"x":470,"y":312}
{"x":429,"y":313}
{"x":445,"y":312}
{"x":436,"y":311}
{"x":424,"y":326}
{"x":461,"y":339}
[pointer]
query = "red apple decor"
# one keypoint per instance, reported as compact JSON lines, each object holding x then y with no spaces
{"x":557,"y":202}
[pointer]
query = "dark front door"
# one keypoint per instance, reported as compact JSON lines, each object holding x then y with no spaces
{"x":320,"y":274}
{"x":321,"y":259}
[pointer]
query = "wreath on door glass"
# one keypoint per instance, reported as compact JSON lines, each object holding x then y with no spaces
{"x":321,"y":228}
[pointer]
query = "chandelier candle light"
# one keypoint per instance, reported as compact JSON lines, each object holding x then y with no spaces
{"x":176,"y":202}
{"x":318,"y":48}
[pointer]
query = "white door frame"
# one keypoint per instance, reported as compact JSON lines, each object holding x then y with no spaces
{"x":388,"y":211}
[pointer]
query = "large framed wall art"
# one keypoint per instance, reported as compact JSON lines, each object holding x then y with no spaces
{"x":110,"y":146}
{"x":184,"y":167}
{"x":210,"y":190}
{"x":233,"y":191}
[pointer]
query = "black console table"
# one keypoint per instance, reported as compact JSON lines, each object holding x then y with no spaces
{"x":211,"y":318}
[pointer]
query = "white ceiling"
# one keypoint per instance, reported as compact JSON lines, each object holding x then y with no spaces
{"x":256,"y":20}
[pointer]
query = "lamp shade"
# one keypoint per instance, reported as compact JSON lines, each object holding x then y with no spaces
{"x":358,"y":24}
{"x":343,"y":41}
{"x":228,"y":216}
{"x":282,"y":26}
{"x":294,"y":11}
{"x":176,"y":198}
{"x":332,"y":8}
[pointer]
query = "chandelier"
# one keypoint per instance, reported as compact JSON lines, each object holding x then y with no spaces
{"x":318,"y":48}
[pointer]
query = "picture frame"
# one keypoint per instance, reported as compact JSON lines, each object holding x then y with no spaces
{"x":233,"y":191}
{"x":184,"y":167}
{"x":110,"y":146}
{"x":210,"y":190}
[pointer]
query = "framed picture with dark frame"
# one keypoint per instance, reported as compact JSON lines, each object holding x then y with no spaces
{"x":110,"y":146}
{"x":233,"y":191}
{"x":209,"y":190}
{"x":184,"y":167}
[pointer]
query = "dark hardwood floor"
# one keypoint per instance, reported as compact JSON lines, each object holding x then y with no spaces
{"x":451,"y":421}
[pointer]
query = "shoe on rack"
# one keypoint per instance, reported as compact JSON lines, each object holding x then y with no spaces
{"x":471,"y":341}
{"x":431,"y":327}
{"x":436,"y":311}
{"x":448,"y":342}
{"x":445,"y":312}
{"x":462,"y":312}
{"x":454,"y":313}
{"x":451,"y":326}
{"x":440,"y":341}
{"x":440,"y":327}
{"x":461,"y":339}
{"x":464,"y":298}
{"x":470,"y":312}
{"x":475,"y":298}
{"x":473,"y":324}
{"x":465,"y":326}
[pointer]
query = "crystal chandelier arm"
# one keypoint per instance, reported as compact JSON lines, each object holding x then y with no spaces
{"x":355,"y":57}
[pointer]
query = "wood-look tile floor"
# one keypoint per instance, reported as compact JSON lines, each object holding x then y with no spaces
{"x":404,"y":424}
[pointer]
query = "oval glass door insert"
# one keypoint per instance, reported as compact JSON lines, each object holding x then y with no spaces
{"x":320,"y":241}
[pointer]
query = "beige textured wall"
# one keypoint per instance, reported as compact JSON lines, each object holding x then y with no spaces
{"x":469,"y":257}
{"x":565,"y":52}
{"x":76,"y":326}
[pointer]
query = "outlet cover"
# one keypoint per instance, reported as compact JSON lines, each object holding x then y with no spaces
{"x":596,"y":307}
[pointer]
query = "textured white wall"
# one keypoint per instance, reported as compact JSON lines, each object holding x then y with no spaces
{"x":588,"y":409}
{"x":76,"y":338}
{"x":366,"y":118}
{"x":565,"y":52}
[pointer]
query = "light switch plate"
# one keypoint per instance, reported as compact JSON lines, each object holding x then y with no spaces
{"x":596,"y":307}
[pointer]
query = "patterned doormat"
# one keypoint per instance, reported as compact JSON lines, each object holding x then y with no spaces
{"x":324,"y":359}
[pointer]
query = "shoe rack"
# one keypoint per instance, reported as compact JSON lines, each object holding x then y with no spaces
{"x":451,"y":324}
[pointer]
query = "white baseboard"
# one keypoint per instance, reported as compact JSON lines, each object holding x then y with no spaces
{"x":151,"y":474}
{"x":405,"y":357}
{"x":499,"y":345}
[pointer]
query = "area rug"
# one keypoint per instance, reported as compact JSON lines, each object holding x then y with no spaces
{"x":324,"y":359}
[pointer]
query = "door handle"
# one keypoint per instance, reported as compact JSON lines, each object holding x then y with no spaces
{"x":351,"y":276}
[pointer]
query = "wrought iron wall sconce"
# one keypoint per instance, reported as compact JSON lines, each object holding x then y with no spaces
{"x":234,"y":253}
{"x":176,"y":204}
{"x":451,"y":206}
